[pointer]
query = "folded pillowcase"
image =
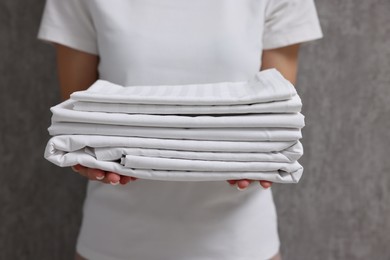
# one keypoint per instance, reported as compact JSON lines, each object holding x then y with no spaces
{"x":63,"y":112}
{"x":267,"y":85}
{"x":292,"y":105}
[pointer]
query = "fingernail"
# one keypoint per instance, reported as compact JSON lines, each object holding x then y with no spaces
{"x":74,"y":168}
{"x":100,"y":177}
{"x":238,"y":188}
{"x":114,"y":183}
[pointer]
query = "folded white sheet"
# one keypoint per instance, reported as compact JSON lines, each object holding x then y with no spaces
{"x":292,"y":105}
{"x":63,"y":112}
{"x":267,"y":85}
{"x":156,"y":163}
{"x":215,"y":134}
{"x":290,"y":154}
{"x":69,"y":143}
{"x":80,"y":157}
{"x":198,"y":132}
{"x":68,"y":150}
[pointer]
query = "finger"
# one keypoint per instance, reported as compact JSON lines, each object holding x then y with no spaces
{"x":125,"y":179}
{"x":83,"y":171}
{"x":77,"y":167}
{"x":95,"y":174}
{"x":243,"y":183}
{"x":232,"y":182}
{"x":113,"y":178}
{"x":265,"y":184}
{"x":105,"y":179}
{"x":100,"y":175}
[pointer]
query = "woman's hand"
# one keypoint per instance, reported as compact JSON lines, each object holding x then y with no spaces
{"x":243,"y":183}
{"x":103,"y":176}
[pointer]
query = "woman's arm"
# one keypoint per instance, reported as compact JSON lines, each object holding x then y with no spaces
{"x":285,"y":60}
{"x":77,"y":70}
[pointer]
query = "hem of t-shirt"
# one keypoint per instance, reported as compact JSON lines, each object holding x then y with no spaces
{"x":51,"y":34}
{"x":300,"y":34}
{"x":91,"y":254}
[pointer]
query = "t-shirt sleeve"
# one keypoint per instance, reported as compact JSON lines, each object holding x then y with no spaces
{"x":290,"y":22}
{"x":69,"y":22}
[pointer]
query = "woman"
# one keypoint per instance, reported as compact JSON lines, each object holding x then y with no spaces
{"x":152,"y":42}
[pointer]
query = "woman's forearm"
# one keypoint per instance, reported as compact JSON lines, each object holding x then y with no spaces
{"x":284,"y":59}
{"x":77,"y":70}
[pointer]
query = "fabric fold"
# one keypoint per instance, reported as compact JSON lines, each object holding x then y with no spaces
{"x":144,"y":162}
{"x":266,"y":85}
{"x":63,"y":113}
{"x":289,"y":154}
{"x":80,"y":157}
{"x":292,"y":105}
{"x":215,"y":134}
{"x":69,"y":143}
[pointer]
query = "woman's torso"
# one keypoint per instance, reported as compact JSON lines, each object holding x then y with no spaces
{"x":152,"y":42}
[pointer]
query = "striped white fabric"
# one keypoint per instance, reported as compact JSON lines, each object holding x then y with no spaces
{"x":216,"y":134}
{"x":243,"y":130}
{"x":292,"y":105}
{"x":63,"y":112}
{"x":266,"y":86}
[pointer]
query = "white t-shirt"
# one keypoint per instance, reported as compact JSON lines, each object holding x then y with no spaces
{"x":176,"y":42}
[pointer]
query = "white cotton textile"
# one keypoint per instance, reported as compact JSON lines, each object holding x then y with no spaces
{"x":292,"y":105}
{"x":76,"y":142}
{"x":79,"y":133}
{"x":169,"y":164}
{"x":268,"y":134}
{"x":277,"y":176}
{"x":63,"y":113}
{"x":289,"y":154}
{"x":265,"y":86}
{"x":69,"y":150}
{"x":216,"y":134}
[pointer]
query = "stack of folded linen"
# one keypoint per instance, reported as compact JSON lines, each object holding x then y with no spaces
{"x":192,"y":132}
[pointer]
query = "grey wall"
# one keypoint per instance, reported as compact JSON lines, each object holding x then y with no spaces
{"x":40,"y":204}
{"x":339,"y":210}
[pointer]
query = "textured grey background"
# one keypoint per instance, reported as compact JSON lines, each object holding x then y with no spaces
{"x":339,"y":210}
